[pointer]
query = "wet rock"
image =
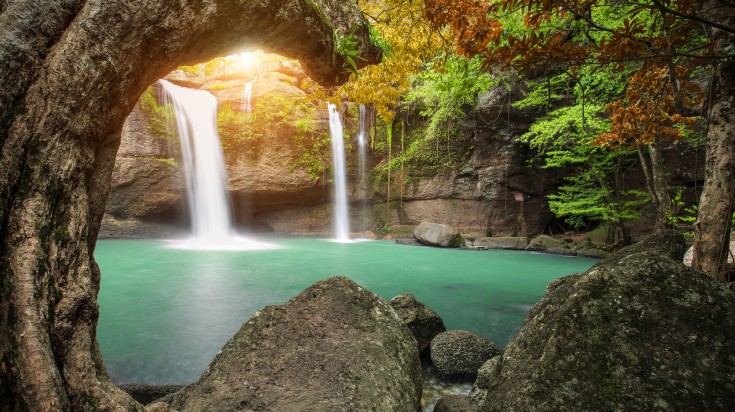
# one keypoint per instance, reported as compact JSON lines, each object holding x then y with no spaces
{"x":548,"y":244}
{"x":638,"y":331}
{"x":502,"y":242}
{"x":421,"y":320}
{"x":455,"y":403}
{"x":436,"y":234}
{"x":458,"y":354}
{"x":335,"y":346}
{"x":408,"y":242}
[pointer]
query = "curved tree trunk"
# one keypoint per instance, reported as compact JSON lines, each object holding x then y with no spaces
{"x":713,"y":225}
{"x":714,"y":221}
{"x":70,"y":72}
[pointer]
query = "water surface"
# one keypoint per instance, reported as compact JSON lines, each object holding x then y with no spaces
{"x":165,"y":312}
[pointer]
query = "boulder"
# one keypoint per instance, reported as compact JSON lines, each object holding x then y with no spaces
{"x":146,"y":394}
{"x":423,"y":322}
{"x":458,"y":354}
{"x":547,"y":244}
{"x":436,"y":234}
{"x":335,"y":346}
{"x":455,"y":403}
{"x":638,"y":331}
{"x":730,"y":256}
{"x":501,"y":242}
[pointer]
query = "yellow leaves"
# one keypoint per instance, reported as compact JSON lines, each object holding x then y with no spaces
{"x":401,"y":23}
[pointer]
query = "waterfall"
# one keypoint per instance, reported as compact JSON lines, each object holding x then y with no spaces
{"x":341,"y":223}
{"x":245,"y":98}
{"x":209,"y":205}
{"x":361,"y":176}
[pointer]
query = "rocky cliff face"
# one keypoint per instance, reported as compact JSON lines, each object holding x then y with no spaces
{"x":496,"y":193}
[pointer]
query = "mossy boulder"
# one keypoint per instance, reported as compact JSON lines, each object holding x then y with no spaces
{"x":548,"y":244}
{"x":458,"y":354}
{"x":334,"y":347}
{"x":638,"y":331}
{"x":420,"y":319}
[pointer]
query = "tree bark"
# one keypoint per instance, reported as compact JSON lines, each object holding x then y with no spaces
{"x":656,"y":182}
{"x":714,"y":221}
{"x":70,"y":73}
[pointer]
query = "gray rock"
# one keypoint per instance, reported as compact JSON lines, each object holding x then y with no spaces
{"x":545,"y":243}
{"x":502,"y":242}
{"x":436,"y":234}
{"x":730,"y":256}
{"x":423,"y":322}
{"x":408,"y":242}
{"x":146,"y":394}
{"x":458,"y":354}
{"x":455,"y":403}
{"x":638,"y":331}
{"x":335,"y":346}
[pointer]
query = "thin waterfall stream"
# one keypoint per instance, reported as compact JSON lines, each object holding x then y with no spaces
{"x":361,"y":169}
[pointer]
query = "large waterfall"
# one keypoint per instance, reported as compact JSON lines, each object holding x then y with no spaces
{"x":195,"y":112}
{"x":341,"y":222}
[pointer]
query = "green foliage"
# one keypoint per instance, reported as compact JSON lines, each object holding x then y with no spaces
{"x":381,"y":42}
{"x":349,"y":48}
{"x":564,"y":138}
{"x":443,"y":95}
{"x":235,"y":131}
{"x":160,"y":118}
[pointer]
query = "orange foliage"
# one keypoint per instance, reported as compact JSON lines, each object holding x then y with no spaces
{"x":648,"y":112}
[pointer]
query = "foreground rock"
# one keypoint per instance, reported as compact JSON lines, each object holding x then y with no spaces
{"x":458,"y":354}
{"x":334,"y":347}
{"x":638,"y":331}
{"x":420,"y":319}
{"x":455,"y":403}
{"x":146,"y":394}
{"x":435,"y":234}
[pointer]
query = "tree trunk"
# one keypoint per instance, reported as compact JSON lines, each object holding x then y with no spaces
{"x":713,"y":225}
{"x":714,"y":222}
{"x":656,"y":182}
{"x":70,"y":72}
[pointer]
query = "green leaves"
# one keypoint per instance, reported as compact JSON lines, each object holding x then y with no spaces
{"x":348,"y":48}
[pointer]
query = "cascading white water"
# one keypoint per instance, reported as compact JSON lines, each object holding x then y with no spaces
{"x":361,"y":176}
{"x":341,"y":223}
{"x":245,"y":98}
{"x":196,"y":120}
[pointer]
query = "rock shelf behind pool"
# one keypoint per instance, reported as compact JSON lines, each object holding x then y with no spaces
{"x":335,"y":346}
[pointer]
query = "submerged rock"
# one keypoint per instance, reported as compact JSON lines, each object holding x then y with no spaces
{"x":335,"y":346}
{"x":420,"y":319}
{"x":638,"y":331}
{"x":458,"y":354}
{"x":435,"y":234}
{"x":502,"y":242}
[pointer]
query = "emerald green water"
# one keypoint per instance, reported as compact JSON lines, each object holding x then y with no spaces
{"x":165,"y":313}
